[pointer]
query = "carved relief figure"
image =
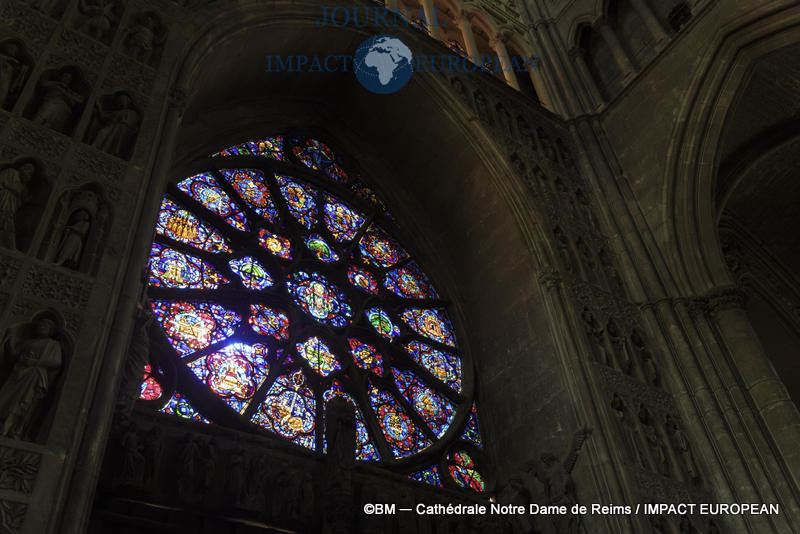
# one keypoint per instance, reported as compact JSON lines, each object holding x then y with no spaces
{"x":680,"y":443}
{"x":611,"y":273}
{"x":559,"y":487}
{"x":14,"y":71}
{"x":153,"y":445}
{"x":547,"y":144}
{"x":235,"y":477}
{"x":187,"y":470}
{"x":654,"y":441}
{"x":73,"y":240}
{"x":99,"y":17}
{"x":525,"y":134}
{"x":564,"y":249}
{"x":132,"y":468}
{"x":596,"y":336}
{"x":504,"y":119}
{"x":37,"y":359}
{"x":116,"y":126}
{"x":620,"y":345}
{"x":14,"y":180}
{"x":482,"y":107}
{"x":144,"y":37}
{"x":629,"y":429}
{"x":645,"y":358}
{"x":59,"y":101}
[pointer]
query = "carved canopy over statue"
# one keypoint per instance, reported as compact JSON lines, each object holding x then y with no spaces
{"x":31,"y":359}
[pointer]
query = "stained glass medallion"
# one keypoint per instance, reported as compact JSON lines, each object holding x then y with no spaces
{"x":252,"y":274}
{"x":182,"y":225}
{"x":319,"y":298}
{"x":269,"y":322}
{"x":443,"y":365}
{"x":382,"y":323}
{"x":300,"y":200}
{"x":318,"y":355}
{"x":296,"y":293}
{"x":321,"y":249}
{"x":204,"y":189}
{"x":366,"y":356}
{"x":251,"y":186}
{"x":172,"y":268}
{"x":289,"y":409}
{"x":278,"y":245}
{"x":191,"y":326}
{"x":342,"y":221}
{"x":233,"y":373}
{"x":410,"y":282}
{"x":362,"y":279}
{"x":402,"y":435}
{"x":379,"y":249}
{"x":431,"y":323}
{"x":437,"y":411}
{"x":428,"y":476}
{"x":465,"y":473}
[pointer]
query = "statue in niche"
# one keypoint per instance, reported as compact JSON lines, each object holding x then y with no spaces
{"x":504,"y":119}
{"x":680,"y":443}
{"x":525,"y":134}
{"x":132,"y":466}
{"x":482,"y":108}
{"x":14,"y":182}
{"x":59,"y":102}
{"x":586,"y":207}
{"x":566,"y":155}
{"x":559,"y":487}
{"x":547,"y":145}
{"x":459,"y":88}
{"x":611,"y":273}
{"x":620,"y":345}
{"x":645,"y":357}
{"x":629,"y":428}
{"x":14,"y":70}
{"x":153,"y":445}
{"x":522,"y":491}
{"x":587,"y":259}
{"x":99,"y":17}
{"x":35,"y":358}
{"x":654,"y":441}
{"x":145,"y":35}
{"x":71,"y":247}
{"x":596,"y":336}
{"x":116,"y":125}
{"x":563,"y":246}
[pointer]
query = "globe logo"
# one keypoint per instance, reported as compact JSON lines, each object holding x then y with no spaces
{"x":383,"y":64}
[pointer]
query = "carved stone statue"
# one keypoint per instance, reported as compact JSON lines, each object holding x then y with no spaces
{"x":522,"y":491}
{"x":547,"y":144}
{"x":37,"y":360}
{"x":132,"y":466}
{"x":504,"y":119}
{"x":482,"y":108}
{"x":208,"y":459}
{"x":596,"y":336}
{"x":138,"y":356}
{"x":258,"y":475}
{"x":99,"y":17}
{"x":73,"y":240}
{"x":14,"y":181}
{"x":117,"y":126}
{"x":564,"y":249}
{"x":587,"y":260}
{"x":620,"y":345}
{"x":559,"y":487}
{"x":187,"y":469}
{"x":235,"y":476}
{"x":144,"y":36}
{"x":153,"y":445}
{"x":645,"y":358}
{"x":654,"y":441}
{"x":525,"y":134}
{"x":611,"y":274}
{"x":680,"y":443}
{"x":59,"y":102}
{"x":629,"y":428}
{"x":13,"y":73}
